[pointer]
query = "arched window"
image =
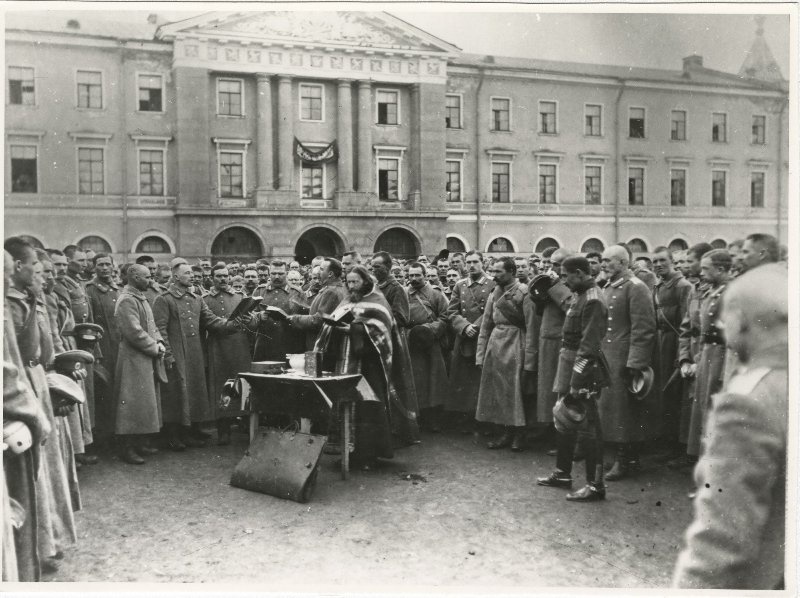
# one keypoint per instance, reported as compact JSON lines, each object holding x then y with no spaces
{"x":152,"y":244}
{"x":95,"y":243}
{"x":678,"y":245}
{"x":719,"y":244}
{"x":501,"y":245}
{"x":637,"y":246}
{"x":545,"y":243}
{"x":237,"y":242}
{"x":455,"y":245}
{"x":399,"y":242}
{"x":590,"y":245}
{"x":33,"y":241}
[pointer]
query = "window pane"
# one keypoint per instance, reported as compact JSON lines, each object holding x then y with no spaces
{"x":453,"y":184}
{"x":678,"y":128}
{"x":718,"y":188}
{"x":90,"y":170}
{"x":592,"y":185}
{"x":547,"y":117}
{"x":636,"y":123}
{"x":719,"y":127}
{"x":757,"y":190}
{"x":636,"y":186}
{"x":759,"y":129}
{"x":592,"y":118}
{"x":678,"y":187}
{"x":547,"y":183}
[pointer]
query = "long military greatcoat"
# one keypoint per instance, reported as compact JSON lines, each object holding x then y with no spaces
{"x":181,"y":316}
{"x":689,"y":347}
{"x":276,"y":339}
{"x":671,"y":299}
{"x":103,"y":298}
{"x":227,"y":355}
{"x":136,"y":390}
{"x":629,"y":341}
{"x":501,"y":353}
{"x":323,"y":304}
{"x":428,"y":307}
{"x":549,"y":331}
{"x":466,"y":307}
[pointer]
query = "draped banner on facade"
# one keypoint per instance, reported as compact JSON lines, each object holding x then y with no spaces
{"x":326,"y":154}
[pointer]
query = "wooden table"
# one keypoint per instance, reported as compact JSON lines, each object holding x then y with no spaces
{"x":307,"y":398}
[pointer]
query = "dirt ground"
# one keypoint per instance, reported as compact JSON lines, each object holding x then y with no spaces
{"x":475,"y":519}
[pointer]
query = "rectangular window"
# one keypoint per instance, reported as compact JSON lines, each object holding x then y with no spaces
{"x":501,"y":182}
{"x":592,"y":184}
{"x":718,"y":179}
{"x":150,"y":93}
{"x":678,"y":126}
{"x":23,"y":169}
{"x":636,"y":186}
{"x":593,"y":120}
{"x":501,"y":117}
{"x":311,"y":102}
{"x":231,"y":174}
{"x":677,"y":186}
{"x":151,"y":172}
{"x":388,"y":178}
{"x":452,"y":114}
{"x":453,"y":184}
{"x":21,"y":86}
{"x":388,"y":107}
{"x":90,"y":89}
{"x":547,"y":183}
{"x":636,"y":123}
{"x":229,"y":97}
{"x":757,"y":189}
{"x":547,"y":118}
{"x":312,"y":181}
{"x":90,"y":171}
{"x":759,"y":130}
{"x":719,"y":127}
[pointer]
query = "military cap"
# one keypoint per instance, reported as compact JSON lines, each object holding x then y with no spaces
{"x":69,"y":361}
{"x":64,"y":388}
{"x":641,"y":383}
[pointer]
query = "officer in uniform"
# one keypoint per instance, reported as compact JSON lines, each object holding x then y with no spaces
{"x":275,"y":339}
{"x":580,"y":375}
{"x":465,"y":314}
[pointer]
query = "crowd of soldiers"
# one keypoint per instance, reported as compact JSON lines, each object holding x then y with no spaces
{"x":585,"y":356}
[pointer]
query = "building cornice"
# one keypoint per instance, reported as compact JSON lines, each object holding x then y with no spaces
{"x":57,"y":39}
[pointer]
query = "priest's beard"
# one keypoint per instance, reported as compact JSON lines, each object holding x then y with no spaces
{"x":355,"y":296}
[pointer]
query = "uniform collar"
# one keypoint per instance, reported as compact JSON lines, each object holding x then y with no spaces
{"x":14,"y":293}
{"x":624,"y":277}
{"x":421,"y":290}
{"x":133,"y":291}
{"x":103,"y":286}
{"x":214,"y":291}
{"x":178,"y":291}
{"x":481,"y":281}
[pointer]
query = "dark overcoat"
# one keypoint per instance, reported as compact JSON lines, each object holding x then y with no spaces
{"x":428,"y":308}
{"x":323,"y":304}
{"x":466,"y":306}
{"x":629,"y":343}
{"x":136,"y":388}
{"x":549,"y":336}
{"x":181,"y":317}
{"x":227,"y":355}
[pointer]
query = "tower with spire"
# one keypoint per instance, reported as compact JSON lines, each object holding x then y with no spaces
{"x":759,"y":62}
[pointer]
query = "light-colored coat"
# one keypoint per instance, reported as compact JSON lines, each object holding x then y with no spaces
{"x":501,"y":353}
{"x":136,"y":389}
{"x":629,"y":343}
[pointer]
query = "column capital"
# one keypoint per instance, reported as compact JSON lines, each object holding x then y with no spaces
{"x":365,"y":83}
{"x":285,"y":78}
{"x":263,"y":77}
{"x":345,"y":82}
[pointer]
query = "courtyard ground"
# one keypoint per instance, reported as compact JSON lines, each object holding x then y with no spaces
{"x":445,"y":514}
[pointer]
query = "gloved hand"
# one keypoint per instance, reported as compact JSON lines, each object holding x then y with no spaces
{"x":79,"y":373}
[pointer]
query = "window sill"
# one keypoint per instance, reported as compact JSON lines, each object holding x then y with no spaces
{"x":501,"y":131}
{"x":238,"y":117}
{"x":543,"y":134}
{"x":9,"y":105}
{"x":684,"y":140}
{"x":719,"y":142}
{"x":310,"y":120}
{"x":454,"y":128}
{"x":151,"y":112}
{"x":637,"y":138}
{"x":387,"y":125}
{"x":85,"y":109}
{"x":758,"y":144}
{"x":593,"y":136}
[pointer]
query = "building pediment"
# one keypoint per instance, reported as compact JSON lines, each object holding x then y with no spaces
{"x":375,"y":31}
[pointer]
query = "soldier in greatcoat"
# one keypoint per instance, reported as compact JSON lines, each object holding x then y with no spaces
{"x":465,"y":313}
{"x":501,"y":355}
{"x":628,"y":347}
{"x":102,"y":292}
{"x":427,"y":332}
{"x":227,"y":355}
{"x":671,"y":300}
{"x":331,"y":293}
{"x":136,"y":388}
{"x":181,"y":317}
{"x":689,"y":348}
{"x":715,"y":270}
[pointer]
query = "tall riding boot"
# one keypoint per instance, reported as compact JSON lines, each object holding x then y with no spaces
{"x":128,"y":453}
{"x":518,"y":439}
{"x":174,"y":442}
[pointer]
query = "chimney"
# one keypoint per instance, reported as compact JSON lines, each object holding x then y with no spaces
{"x":692,"y":62}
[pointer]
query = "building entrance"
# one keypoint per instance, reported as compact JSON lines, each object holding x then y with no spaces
{"x":318,"y":241}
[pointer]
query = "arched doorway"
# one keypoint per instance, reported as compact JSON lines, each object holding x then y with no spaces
{"x":399,"y":242}
{"x":500,"y":245}
{"x":238,"y":243}
{"x":94,"y":243}
{"x":590,"y":245}
{"x":318,"y":241}
{"x":719,"y":244}
{"x":455,"y":245}
{"x":545,"y":243}
{"x":637,"y":246}
{"x":678,"y":245}
{"x":152,"y":244}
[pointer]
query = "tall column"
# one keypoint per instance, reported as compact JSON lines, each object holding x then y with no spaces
{"x":264,"y":134}
{"x":344,"y":136}
{"x":192,"y":128}
{"x":285,"y":133}
{"x":415,"y":155}
{"x":365,"y":182}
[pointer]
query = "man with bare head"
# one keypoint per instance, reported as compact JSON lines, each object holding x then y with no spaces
{"x":628,"y":347}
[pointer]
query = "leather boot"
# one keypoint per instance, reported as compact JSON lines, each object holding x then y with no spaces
{"x":174,"y":442}
{"x":618,"y":471}
{"x":189,"y":439}
{"x":518,"y":441}
{"x":129,"y":455}
{"x":196,"y":432}
{"x":502,"y":442}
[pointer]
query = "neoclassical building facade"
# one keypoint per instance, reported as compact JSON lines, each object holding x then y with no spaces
{"x":292,"y":134}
